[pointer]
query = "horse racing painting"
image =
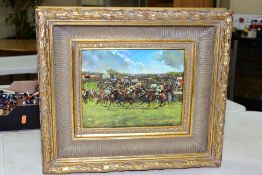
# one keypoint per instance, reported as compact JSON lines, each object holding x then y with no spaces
{"x":132,"y":87}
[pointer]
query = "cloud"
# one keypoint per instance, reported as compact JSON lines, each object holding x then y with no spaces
{"x":102,"y":60}
{"x":133,"y":61}
{"x":173,"y":58}
{"x":140,"y":64}
{"x":127,"y":60}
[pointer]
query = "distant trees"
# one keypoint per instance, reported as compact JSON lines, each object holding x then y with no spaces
{"x":177,"y":74}
{"x":112,"y":72}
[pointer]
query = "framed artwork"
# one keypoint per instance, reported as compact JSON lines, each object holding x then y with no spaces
{"x":116,"y":84}
{"x":132,"y":88}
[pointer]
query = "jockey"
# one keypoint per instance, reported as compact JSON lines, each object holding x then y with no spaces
{"x":159,"y":89}
{"x":83,"y":92}
{"x":130,"y":89}
{"x":107,"y":91}
{"x":153,"y":87}
{"x":139,"y":84}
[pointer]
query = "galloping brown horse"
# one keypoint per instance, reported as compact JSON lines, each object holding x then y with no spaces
{"x":162,"y":97}
{"x":131,"y":96}
{"x":151,"y":96}
{"x":102,"y":98}
{"x":116,"y":97}
{"x":148,"y":97}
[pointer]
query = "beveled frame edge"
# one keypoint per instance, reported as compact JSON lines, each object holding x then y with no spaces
{"x":44,"y":15}
{"x":166,"y":131}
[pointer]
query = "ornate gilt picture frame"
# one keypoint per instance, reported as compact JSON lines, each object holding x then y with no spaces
{"x":132,"y":88}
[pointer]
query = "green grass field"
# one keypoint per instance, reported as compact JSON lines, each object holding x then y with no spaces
{"x":97,"y":116}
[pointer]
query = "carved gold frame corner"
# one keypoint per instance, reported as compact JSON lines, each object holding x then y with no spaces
{"x":47,"y":17}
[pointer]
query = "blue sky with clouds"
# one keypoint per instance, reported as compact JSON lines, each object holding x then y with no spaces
{"x":133,"y":61}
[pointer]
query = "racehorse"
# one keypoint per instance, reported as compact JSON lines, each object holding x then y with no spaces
{"x":116,"y":96}
{"x":152,"y":96}
{"x":88,"y":95}
{"x":162,"y":97}
{"x":102,"y":97}
{"x":131,"y":96}
{"x":148,"y":97}
{"x":85,"y":95}
{"x":170,"y":92}
{"x":91,"y":94}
